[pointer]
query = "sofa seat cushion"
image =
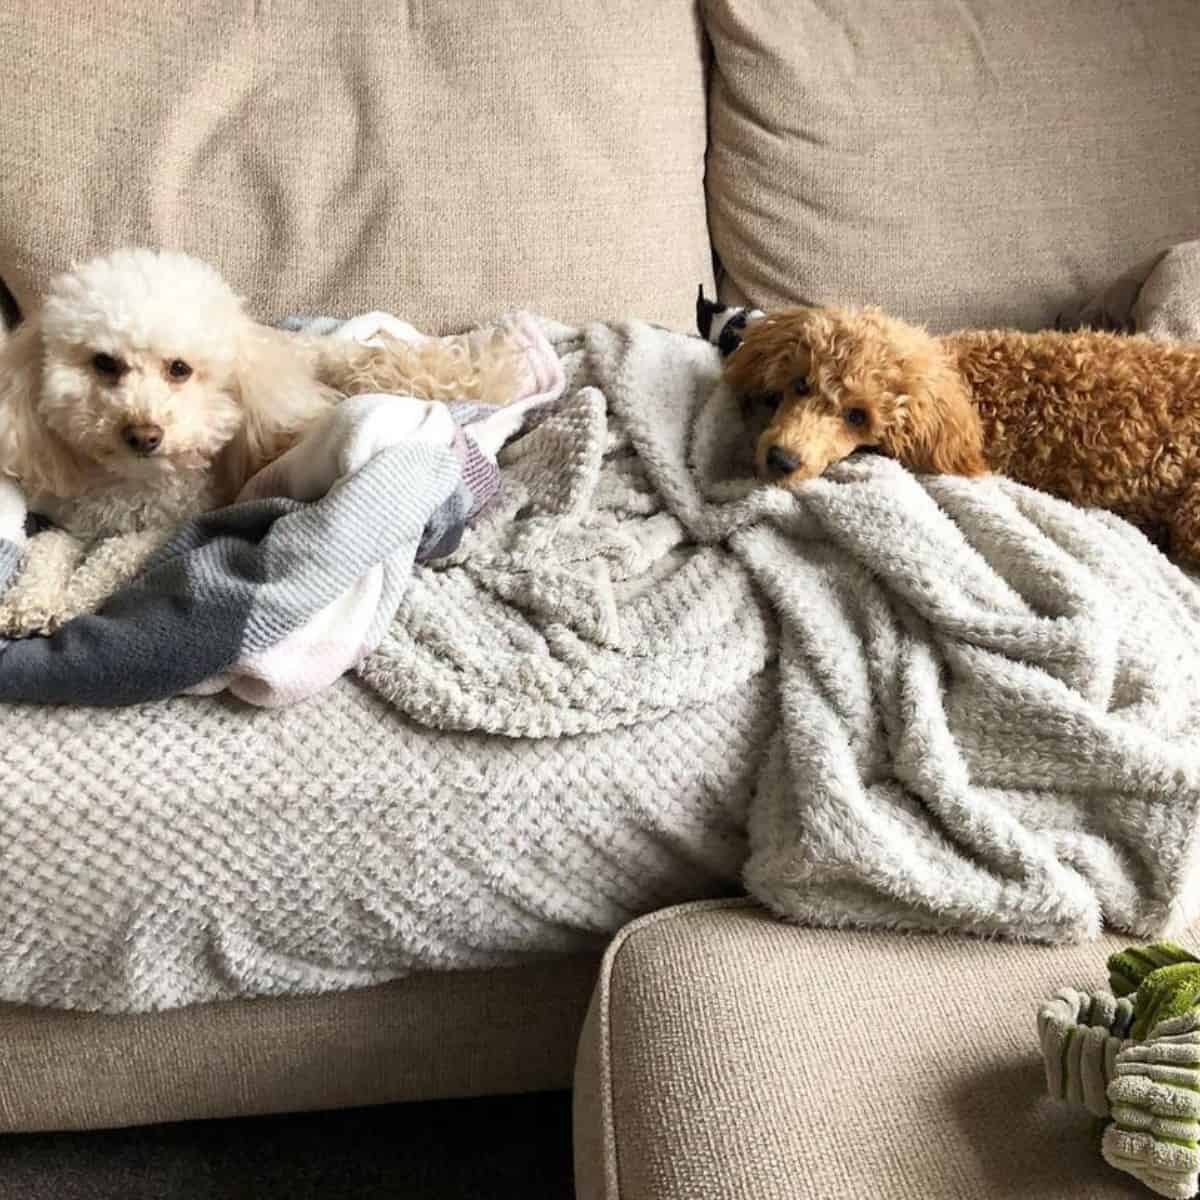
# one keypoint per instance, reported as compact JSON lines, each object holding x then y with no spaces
{"x":434,"y":1035}
{"x":982,"y":164}
{"x":727,"y":1056}
{"x":440,"y":161}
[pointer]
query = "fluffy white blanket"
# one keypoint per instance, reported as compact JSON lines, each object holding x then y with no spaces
{"x":986,"y":700}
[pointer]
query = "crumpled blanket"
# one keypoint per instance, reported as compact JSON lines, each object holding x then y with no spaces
{"x":987,"y":700}
{"x":885,"y":700}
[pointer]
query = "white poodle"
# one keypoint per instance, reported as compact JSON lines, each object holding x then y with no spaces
{"x":142,"y":392}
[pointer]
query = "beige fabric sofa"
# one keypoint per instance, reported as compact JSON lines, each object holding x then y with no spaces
{"x":728,"y":1057}
{"x":961,"y":164}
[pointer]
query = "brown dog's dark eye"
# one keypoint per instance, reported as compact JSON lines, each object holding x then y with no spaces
{"x":856,"y":416}
{"x":800,"y":386}
{"x":105,"y":364}
{"x":178,"y":369}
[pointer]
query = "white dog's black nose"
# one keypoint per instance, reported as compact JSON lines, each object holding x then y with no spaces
{"x":142,"y":439}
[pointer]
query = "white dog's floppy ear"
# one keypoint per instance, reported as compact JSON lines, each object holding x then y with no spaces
{"x":29,"y":450}
{"x":280,"y":397}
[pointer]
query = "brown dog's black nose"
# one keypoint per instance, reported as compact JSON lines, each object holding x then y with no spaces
{"x":142,"y":439}
{"x":781,"y":461}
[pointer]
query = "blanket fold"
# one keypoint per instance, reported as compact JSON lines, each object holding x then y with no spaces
{"x":234,"y":583}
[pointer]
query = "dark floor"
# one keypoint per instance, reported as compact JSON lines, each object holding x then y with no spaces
{"x":510,"y":1146}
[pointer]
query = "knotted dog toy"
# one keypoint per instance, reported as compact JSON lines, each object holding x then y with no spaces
{"x":1132,"y":1056}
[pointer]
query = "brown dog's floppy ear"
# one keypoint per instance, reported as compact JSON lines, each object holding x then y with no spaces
{"x":764,"y":360}
{"x":29,"y":450}
{"x":937,"y":430}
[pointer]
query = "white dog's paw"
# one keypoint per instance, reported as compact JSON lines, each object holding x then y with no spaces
{"x":36,"y":603}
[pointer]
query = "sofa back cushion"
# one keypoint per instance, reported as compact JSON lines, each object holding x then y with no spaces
{"x":961,"y":164}
{"x":442,"y":160}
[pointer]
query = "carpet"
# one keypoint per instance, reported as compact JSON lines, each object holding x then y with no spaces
{"x":482,"y":1149}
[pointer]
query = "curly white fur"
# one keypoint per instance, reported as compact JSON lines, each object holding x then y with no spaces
{"x":142,"y":391}
{"x":63,"y":577}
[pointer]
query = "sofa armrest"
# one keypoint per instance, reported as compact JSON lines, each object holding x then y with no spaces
{"x":729,"y":1055}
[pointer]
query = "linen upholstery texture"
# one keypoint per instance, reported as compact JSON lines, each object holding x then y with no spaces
{"x":434,"y":1035}
{"x":959,"y":164}
{"x":729,"y":1057}
{"x":445,"y":162}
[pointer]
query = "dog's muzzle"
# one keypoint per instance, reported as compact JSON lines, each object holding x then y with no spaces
{"x":142,"y":439}
{"x":780,"y":462}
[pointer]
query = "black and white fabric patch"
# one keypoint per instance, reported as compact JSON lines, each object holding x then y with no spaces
{"x":722,"y":324}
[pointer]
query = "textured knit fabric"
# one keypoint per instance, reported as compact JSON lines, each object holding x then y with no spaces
{"x":440,"y":159}
{"x":937,"y":703}
{"x":333,"y":639}
{"x":985,"y":701}
{"x":977,"y":164}
{"x":197,"y":850}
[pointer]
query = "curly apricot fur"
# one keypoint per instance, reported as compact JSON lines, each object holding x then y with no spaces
{"x":1105,"y":420}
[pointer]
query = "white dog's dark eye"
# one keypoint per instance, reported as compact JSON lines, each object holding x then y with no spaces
{"x":856,"y":416}
{"x":178,"y":369}
{"x":800,"y":386}
{"x":105,"y":364}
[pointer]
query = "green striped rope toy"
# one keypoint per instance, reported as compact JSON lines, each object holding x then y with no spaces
{"x":1132,"y":1056}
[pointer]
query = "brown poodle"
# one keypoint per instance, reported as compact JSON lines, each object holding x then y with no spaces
{"x":1102,"y":419}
